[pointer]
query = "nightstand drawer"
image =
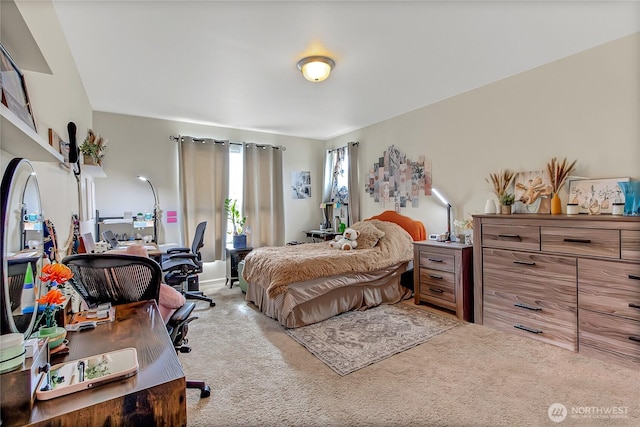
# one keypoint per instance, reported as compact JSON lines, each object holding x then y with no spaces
{"x":610,"y":336}
{"x":522,"y":237}
{"x":437,"y":284}
{"x":577,"y":241}
{"x":609,"y":287}
{"x":630,"y":244}
{"x":437,"y":261}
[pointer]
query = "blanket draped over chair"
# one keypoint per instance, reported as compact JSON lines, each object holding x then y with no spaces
{"x":277,"y":267}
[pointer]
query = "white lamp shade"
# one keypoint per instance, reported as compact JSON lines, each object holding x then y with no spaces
{"x":316,"y":68}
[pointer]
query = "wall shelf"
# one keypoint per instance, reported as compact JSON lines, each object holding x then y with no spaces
{"x":94,"y":171}
{"x":20,"y":140}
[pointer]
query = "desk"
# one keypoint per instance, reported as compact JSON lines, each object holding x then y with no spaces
{"x":321,"y":235}
{"x":152,"y":249}
{"x":155,"y":396}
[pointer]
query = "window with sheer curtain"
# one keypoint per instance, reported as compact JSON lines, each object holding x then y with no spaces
{"x":341,"y":178}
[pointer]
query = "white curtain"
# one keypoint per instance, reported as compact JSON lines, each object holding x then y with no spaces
{"x":354,"y":202}
{"x":204,"y":185}
{"x":263,"y":199}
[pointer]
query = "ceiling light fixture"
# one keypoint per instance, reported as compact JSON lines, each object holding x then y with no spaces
{"x":316,"y":68}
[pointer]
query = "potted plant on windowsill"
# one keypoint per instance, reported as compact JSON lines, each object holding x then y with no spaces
{"x":93,"y":149}
{"x":237,"y":221}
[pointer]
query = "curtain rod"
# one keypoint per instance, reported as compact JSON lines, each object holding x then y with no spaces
{"x":224,"y":141}
{"x":345,"y":146}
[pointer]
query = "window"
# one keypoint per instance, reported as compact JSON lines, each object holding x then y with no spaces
{"x":236,"y":168}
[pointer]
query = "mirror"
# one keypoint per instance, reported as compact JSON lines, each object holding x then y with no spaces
{"x":21,"y":243}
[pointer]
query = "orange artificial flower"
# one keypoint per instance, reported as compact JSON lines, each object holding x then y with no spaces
{"x":53,"y":297}
{"x":58,"y":273}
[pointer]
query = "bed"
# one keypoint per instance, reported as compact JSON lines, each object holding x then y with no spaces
{"x":304,"y":284}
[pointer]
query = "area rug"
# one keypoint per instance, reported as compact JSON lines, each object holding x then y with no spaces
{"x":356,"y":339}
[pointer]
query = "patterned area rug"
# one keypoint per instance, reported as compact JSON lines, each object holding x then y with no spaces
{"x":356,"y":339}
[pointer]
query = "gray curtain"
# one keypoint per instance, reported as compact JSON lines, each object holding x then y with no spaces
{"x":263,"y":199}
{"x":204,"y":185}
{"x":354,"y":202}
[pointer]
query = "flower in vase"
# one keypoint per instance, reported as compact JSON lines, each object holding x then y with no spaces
{"x":53,"y":300}
{"x":58,"y":273}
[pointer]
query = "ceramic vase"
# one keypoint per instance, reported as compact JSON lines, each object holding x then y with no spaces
{"x":490,"y":207}
{"x":556,"y":204}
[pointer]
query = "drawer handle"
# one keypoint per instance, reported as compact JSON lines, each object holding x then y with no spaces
{"x":433,"y":276}
{"x":634,"y":305}
{"x":524,"y":328}
{"x":434,"y":259}
{"x":510,"y":236}
{"x":569,"y":240}
{"x":524,"y":262}
{"x":528,"y":307}
{"x":634,"y":338}
{"x":634,"y":277}
{"x":439,"y":291}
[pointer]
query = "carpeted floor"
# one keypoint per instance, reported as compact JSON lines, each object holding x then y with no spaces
{"x":467,"y":376}
{"x":356,"y":339}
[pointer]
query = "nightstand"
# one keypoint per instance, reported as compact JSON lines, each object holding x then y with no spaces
{"x":234,"y":256}
{"x":443,"y":276}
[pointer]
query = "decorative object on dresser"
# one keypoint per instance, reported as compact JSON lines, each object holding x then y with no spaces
{"x":500,"y":182}
{"x":506,"y":201}
{"x":558,"y":174}
{"x":570,"y":281}
{"x":596,"y":196}
{"x":443,"y":276}
{"x":532,"y":192}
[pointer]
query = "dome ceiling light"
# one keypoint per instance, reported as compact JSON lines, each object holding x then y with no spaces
{"x":316,"y":68}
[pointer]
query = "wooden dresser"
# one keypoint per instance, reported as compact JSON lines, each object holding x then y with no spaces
{"x":571,"y":281}
{"x":443,"y":276}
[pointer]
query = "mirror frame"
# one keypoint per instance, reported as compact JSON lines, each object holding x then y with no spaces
{"x":8,"y":192}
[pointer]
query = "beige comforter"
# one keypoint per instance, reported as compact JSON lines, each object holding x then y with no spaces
{"x":277,"y":267}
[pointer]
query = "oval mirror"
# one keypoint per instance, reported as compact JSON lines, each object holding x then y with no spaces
{"x":21,"y":244}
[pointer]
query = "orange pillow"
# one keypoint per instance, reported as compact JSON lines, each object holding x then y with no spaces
{"x":415,"y":228}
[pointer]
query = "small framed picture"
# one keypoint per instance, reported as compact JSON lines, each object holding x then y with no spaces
{"x":595,"y":196}
{"x":14,"y":89}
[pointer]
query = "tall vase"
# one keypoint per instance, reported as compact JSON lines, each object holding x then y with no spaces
{"x":556,"y":204}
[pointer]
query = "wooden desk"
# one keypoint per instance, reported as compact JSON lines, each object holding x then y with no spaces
{"x":155,"y":396}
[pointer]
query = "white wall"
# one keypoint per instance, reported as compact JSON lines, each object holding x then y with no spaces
{"x":56,"y":99}
{"x":141,"y":146}
{"x":583,"y":107}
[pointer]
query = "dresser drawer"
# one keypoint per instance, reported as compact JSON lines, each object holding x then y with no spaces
{"x":437,"y":284}
{"x":437,"y":261}
{"x":580,"y":241}
{"x":522,"y":237}
{"x":609,"y":287}
{"x":630,"y":244}
{"x":610,"y":337}
{"x":551,"y":325}
{"x":534,"y":276}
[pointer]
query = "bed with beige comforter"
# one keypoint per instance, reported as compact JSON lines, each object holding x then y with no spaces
{"x":303,"y":284}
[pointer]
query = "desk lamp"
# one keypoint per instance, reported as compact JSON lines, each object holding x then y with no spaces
{"x":445,"y":202}
{"x":156,"y":207}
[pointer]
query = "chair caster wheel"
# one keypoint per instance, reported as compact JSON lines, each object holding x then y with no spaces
{"x":212,"y":304}
{"x":185,"y":349}
{"x":205,"y":392}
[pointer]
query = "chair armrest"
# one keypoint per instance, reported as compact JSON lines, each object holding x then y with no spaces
{"x":185,"y":256}
{"x":177,"y":250}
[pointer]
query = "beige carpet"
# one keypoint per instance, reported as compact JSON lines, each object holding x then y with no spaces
{"x":468,"y":376}
{"x":356,"y":339}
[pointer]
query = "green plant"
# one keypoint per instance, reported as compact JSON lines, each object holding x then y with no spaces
{"x":93,"y":146}
{"x":233,"y":214}
{"x":507,"y":199}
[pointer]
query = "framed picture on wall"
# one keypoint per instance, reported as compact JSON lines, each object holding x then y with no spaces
{"x":14,"y":89}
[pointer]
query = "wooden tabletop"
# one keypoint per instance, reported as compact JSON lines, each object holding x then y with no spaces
{"x":156,"y":394}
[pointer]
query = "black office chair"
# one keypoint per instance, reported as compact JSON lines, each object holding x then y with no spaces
{"x":121,"y":279}
{"x":183,"y":265}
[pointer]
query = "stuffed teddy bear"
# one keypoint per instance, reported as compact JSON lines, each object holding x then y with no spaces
{"x":347,"y":241}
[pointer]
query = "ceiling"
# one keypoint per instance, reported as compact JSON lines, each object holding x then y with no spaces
{"x":233,"y":63}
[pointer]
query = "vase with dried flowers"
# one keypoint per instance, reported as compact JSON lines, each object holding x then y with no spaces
{"x":501,"y":182}
{"x":558,"y":174}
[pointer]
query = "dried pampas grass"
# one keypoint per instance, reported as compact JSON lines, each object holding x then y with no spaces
{"x":500,"y":181}
{"x":559,"y":172}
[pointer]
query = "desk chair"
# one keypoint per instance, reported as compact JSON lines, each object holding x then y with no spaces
{"x":121,"y":279}
{"x":183,"y":265}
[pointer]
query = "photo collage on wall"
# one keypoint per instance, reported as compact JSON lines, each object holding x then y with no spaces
{"x":397,"y":181}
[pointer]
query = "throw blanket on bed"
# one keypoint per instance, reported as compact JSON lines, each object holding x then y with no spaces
{"x":277,"y":267}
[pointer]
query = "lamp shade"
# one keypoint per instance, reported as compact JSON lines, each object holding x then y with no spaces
{"x":316,"y":68}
